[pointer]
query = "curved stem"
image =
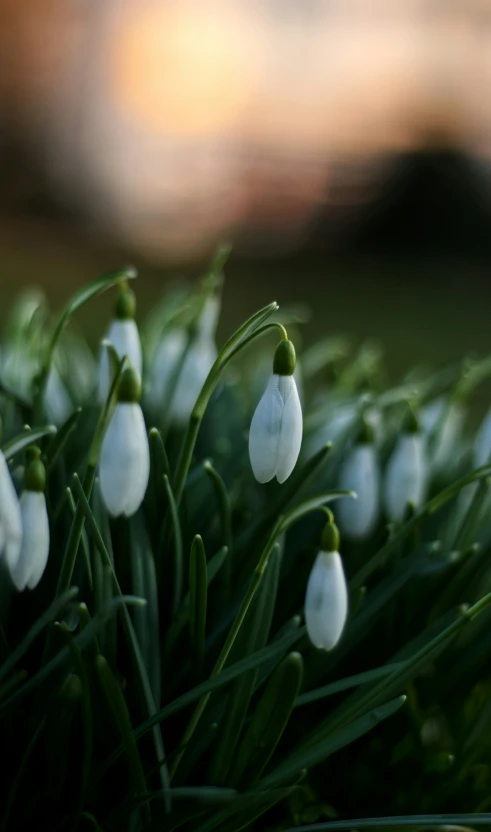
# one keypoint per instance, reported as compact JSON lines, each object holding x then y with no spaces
{"x":239,"y":340}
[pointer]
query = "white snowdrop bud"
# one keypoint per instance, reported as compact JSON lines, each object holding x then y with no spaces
{"x":168,"y":353}
{"x":10,"y":517}
{"x":123,"y":335}
{"x":57,"y":402}
{"x":482,"y":443}
{"x":125,"y":455}
{"x":29,"y":567}
{"x":406,"y":475}
{"x":441,"y":424}
{"x":326,"y":600}
{"x":360,"y":473}
{"x":275,"y":436}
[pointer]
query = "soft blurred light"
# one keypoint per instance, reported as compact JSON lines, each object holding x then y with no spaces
{"x":173,"y":123}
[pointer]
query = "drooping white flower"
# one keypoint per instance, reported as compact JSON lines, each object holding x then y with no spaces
{"x":326,"y":599}
{"x":275,"y":436}
{"x":406,"y":476}
{"x":199,"y":359}
{"x":360,"y":473}
{"x":57,"y":402}
{"x":125,"y":456}
{"x":441,"y":424}
{"x":124,"y":336}
{"x":482,"y":443}
{"x":28,"y":568}
{"x":164,"y":363}
{"x":10,"y":516}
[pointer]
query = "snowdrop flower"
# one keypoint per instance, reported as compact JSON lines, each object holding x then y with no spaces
{"x":482,"y":444}
{"x":10,"y":516}
{"x":28,"y":568}
{"x":326,"y":600}
{"x":360,"y":473}
{"x":123,"y":335}
{"x":276,"y":429}
{"x":199,"y":360}
{"x":57,"y":402}
{"x":163,"y":366}
{"x":442,"y":436}
{"x":406,"y":474}
{"x":125,"y":456}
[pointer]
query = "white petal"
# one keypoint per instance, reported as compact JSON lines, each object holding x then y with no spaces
{"x":168,"y":353}
{"x":482,"y":444}
{"x":264,"y":435}
{"x":10,"y":515}
{"x":405,"y":479}
{"x":125,"y":460}
{"x":209,"y":318}
{"x":35,"y":541}
{"x":57,"y":401}
{"x":194,"y":371}
{"x":123,"y":335}
{"x":360,"y":473}
{"x":291,"y":428}
{"x":326,"y":601}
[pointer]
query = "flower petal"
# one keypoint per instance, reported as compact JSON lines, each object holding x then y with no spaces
{"x":264,"y":435}
{"x":359,"y":473}
{"x":291,"y":428}
{"x":405,"y":479}
{"x":326,"y":601}
{"x":125,"y":460}
{"x":194,"y":371}
{"x":124,"y":336}
{"x":10,"y":515}
{"x":35,"y":541}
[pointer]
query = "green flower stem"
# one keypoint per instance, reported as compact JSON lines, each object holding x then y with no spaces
{"x":71,"y":551}
{"x":282,"y":525}
{"x":240,"y":338}
{"x":79,"y":299}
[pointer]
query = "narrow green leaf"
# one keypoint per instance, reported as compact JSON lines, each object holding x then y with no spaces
{"x":54,"y":609}
{"x":248,"y":806}
{"x":224,"y":510}
{"x":130,"y":634}
{"x":252,"y":637}
{"x":84,"y":541}
{"x":21,"y":767}
{"x":307,"y":506}
{"x":347,"y":683}
{"x":117,"y":706}
{"x":59,"y":441}
{"x":195,"y":754}
{"x":26,"y":438}
{"x":400,"y":535}
{"x":178,"y":551}
{"x":268,"y":722}
{"x":146,"y":619}
{"x":179,"y":622}
{"x":312,"y":756}
{"x":63,"y":657}
{"x":466,"y":820}
{"x":197,"y":599}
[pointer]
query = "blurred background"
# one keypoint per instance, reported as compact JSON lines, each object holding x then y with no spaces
{"x":344,"y":146}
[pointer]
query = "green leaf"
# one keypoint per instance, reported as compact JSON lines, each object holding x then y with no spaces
{"x":26,"y":438}
{"x":178,"y":552}
{"x":349,"y":682}
{"x":54,"y":609}
{"x":59,"y":441}
{"x":317,"y":753}
{"x":146,"y":619}
{"x":80,"y":298}
{"x":197,"y":600}
{"x":466,"y":820}
{"x":252,"y":637}
{"x":224,"y":510}
{"x":268,"y":722}
{"x":117,"y":706}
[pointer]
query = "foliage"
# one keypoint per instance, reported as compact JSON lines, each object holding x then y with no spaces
{"x":160,"y":676}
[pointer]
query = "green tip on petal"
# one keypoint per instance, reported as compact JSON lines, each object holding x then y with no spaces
{"x":35,"y":476}
{"x":284,"y":359}
{"x":129,"y":389}
{"x":330,"y":540}
{"x":125,"y":304}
